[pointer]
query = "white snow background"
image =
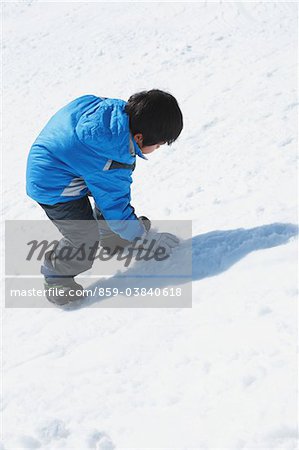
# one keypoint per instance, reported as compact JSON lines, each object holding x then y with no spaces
{"x":222,"y":374}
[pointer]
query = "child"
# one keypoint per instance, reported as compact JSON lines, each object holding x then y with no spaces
{"x":89,"y":147}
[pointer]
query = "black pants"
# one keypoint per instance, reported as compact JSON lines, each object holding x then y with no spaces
{"x":81,"y":228}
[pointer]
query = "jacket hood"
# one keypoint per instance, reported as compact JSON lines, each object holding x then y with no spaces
{"x":105,"y":128}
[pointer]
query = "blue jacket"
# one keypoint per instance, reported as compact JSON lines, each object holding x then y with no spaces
{"x":87,"y":147}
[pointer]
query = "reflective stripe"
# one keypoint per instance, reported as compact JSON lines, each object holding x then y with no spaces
{"x":132,"y":148}
{"x":74,"y":188}
{"x":108,"y":164}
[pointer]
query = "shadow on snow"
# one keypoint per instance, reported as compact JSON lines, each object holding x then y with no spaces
{"x":212,"y":253}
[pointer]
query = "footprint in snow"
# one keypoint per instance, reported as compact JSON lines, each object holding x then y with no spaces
{"x":210,"y":124}
{"x":51,"y":429}
{"x":29,"y":442}
{"x":99,"y":440}
{"x":264,"y":311}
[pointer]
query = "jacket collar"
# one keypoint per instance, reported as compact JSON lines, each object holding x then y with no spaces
{"x":137,"y":150}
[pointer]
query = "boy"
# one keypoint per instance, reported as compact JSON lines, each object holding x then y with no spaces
{"x":89,"y":147}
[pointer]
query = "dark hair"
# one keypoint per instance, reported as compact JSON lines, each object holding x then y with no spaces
{"x":155,"y":114}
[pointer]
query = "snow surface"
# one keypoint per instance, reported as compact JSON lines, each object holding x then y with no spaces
{"x":222,"y":374}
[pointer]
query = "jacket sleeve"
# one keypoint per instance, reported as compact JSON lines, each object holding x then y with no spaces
{"x":111,"y":190}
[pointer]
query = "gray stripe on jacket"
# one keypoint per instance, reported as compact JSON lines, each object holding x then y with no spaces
{"x":74,"y":188}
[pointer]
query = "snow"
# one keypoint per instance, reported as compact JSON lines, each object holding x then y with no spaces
{"x":223,"y":373}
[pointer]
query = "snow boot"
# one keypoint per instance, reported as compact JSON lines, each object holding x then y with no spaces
{"x":63,"y":290}
{"x":59,"y":289}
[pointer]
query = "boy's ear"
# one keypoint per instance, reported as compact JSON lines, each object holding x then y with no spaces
{"x":139,"y":139}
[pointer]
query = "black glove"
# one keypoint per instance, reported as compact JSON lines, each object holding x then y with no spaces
{"x":153,"y":240}
{"x":146,"y":222}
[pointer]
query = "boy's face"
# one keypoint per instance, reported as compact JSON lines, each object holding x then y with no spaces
{"x":146,"y":149}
